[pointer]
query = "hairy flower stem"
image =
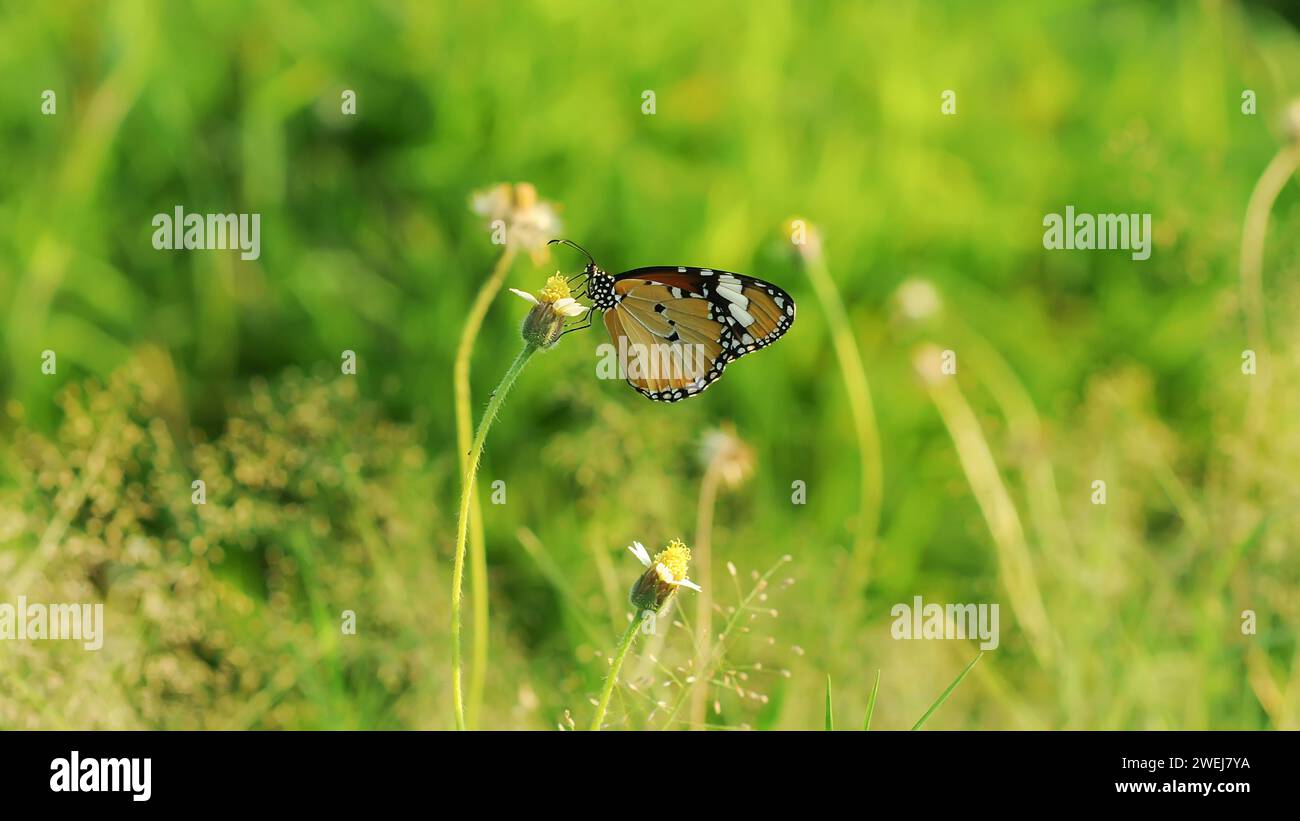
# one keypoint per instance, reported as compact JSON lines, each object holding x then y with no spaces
{"x":462,"y":532}
{"x":464,"y":431}
{"x":611,"y":679}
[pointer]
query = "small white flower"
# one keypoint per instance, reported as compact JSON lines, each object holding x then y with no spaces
{"x":918,"y":300}
{"x":664,"y":574}
{"x":530,"y":221}
{"x":552,"y":307}
{"x":555,"y":296}
{"x":722,"y":450}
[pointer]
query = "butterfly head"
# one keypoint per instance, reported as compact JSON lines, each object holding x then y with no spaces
{"x":597,"y":285}
{"x":600,"y":288}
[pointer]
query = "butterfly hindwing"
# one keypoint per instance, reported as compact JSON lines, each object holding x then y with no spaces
{"x":674,"y":346}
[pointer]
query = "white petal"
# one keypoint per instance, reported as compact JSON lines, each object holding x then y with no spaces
{"x":548,"y":222}
{"x":688,"y":583}
{"x":572,"y":310}
{"x":492,"y":203}
{"x":640,"y":552}
{"x":560,"y":304}
{"x":524,"y":294}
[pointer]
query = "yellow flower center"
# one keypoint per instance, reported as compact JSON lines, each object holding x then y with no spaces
{"x":525,"y":196}
{"x":676,"y":557}
{"x":557,"y":288}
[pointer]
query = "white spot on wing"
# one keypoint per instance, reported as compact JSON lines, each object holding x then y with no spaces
{"x":741,"y":315}
{"x":734,"y":295}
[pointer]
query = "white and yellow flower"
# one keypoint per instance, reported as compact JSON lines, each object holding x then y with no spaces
{"x":529,"y":221}
{"x":556,"y":295}
{"x":664,"y":574}
{"x":722,"y":450}
{"x":552,"y":306}
{"x":917,"y":300}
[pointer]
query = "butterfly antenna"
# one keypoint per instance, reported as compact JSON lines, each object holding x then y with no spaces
{"x":573,"y":244}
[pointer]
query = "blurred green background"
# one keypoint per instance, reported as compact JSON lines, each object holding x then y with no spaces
{"x":328,"y":492}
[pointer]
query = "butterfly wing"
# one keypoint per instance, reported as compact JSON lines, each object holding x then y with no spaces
{"x":693,"y":321}
{"x":670,"y":343}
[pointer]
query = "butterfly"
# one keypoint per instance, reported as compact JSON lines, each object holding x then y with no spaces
{"x":677,"y":328}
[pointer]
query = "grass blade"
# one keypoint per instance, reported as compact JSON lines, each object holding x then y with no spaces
{"x":871,"y":703}
{"x":944,"y":697}
{"x":830,"y":714}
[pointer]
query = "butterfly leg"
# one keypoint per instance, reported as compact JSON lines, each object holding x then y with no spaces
{"x":579,"y":290}
{"x":582,"y":327}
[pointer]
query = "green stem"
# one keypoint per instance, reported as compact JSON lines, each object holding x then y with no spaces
{"x":854,"y":376}
{"x":870,"y":468}
{"x":1261,"y":202}
{"x":462,"y":532}
{"x":1260,"y":205}
{"x":624,"y":645}
{"x":704,"y":599}
{"x":464,"y":433}
{"x":1015,"y":563}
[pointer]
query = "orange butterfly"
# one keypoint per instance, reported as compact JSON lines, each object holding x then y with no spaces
{"x":682,"y":326}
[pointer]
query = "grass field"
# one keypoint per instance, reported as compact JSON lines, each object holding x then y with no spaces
{"x":819,"y":484}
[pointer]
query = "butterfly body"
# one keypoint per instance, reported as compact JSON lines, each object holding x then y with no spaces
{"x":683,"y":325}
